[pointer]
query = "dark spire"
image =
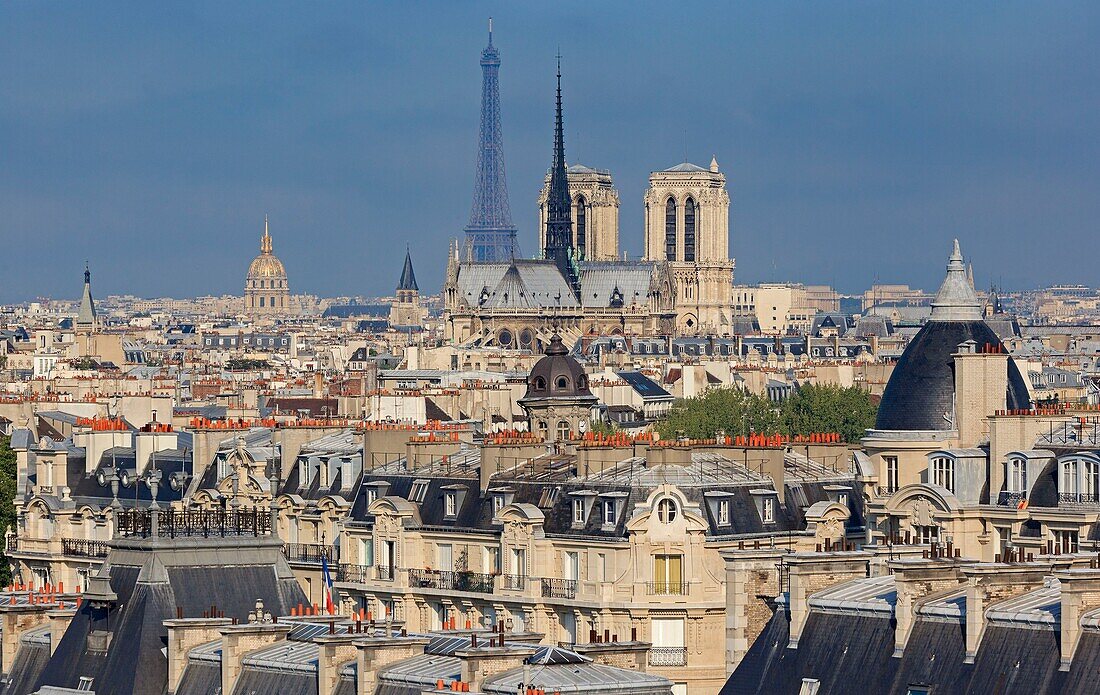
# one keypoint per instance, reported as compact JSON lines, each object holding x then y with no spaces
{"x":559,"y":219}
{"x":408,"y":278}
{"x":86,"y":319}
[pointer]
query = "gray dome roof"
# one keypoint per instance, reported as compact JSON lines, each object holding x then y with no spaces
{"x":921,"y":392}
{"x":557,"y":375}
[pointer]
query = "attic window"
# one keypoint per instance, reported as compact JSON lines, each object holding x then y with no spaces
{"x":768,"y":510}
{"x":609,"y":512}
{"x":723,"y":512}
{"x":539,"y":384}
{"x":450,"y":504}
{"x":562,"y":382}
{"x":498,"y":503}
{"x":549,"y":496}
{"x":578,"y":511}
{"x":419,"y":489}
{"x":666,"y":510}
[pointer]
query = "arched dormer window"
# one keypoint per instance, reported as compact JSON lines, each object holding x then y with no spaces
{"x":943,"y":473}
{"x":689,"y":230}
{"x":670,"y":229}
{"x":562,"y":382}
{"x":582,"y":382}
{"x":1016,"y":474}
{"x":1079,"y":480}
{"x":540,"y":384}
{"x":582,"y":225}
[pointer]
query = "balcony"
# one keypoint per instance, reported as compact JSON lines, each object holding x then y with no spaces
{"x":1010,"y":499}
{"x":311,"y":553}
{"x":1077,"y":498}
{"x":559,"y":588}
{"x":515,"y":582}
{"x":452,"y":581}
{"x":356,"y":574}
{"x":885,"y":490}
{"x":667,"y":588}
{"x":192,"y":523}
{"x":76,"y":547}
{"x":384,"y":573}
{"x":668,"y":656}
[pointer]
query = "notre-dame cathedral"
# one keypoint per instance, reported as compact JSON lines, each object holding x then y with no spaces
{"x":581,"y":286}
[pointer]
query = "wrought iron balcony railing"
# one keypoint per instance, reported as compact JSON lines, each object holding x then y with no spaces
{"x":358,"y":574}
{"x":1010,"y":499}
{"x":1077,"y":498}
{"x":77,"y":547}
{"x":384,"y":573}
{"x":312,"y":553}
{"x":453,"y":581}
{"x":668,"y":656}
{"x":885,"y":490}
{"x":173,"y":523}
{"x":667,"y":588}
{"x":515,"y":582}
{"x":559,"y":588}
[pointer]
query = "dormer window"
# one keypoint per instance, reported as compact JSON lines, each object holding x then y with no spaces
{"x":666,"y":510}
{"x":1017,"y":475}
{"x":768,"y":510}
{"x":450,"y":504}
{"x":723,"y":512}
{"x":539,"y":384}
{"x":562,"y":382}
{"x":498,"y":503}
{"x":371,"y":495}
{"x":609,"y":512}
{"x":943,"y":473}
{"x":578,"y":511}
{"x":419,"y":489}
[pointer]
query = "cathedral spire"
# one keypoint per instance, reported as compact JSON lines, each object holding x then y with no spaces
{"x":559,"y":218}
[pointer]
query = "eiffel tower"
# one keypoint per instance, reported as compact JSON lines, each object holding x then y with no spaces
{"x":490,"y":235}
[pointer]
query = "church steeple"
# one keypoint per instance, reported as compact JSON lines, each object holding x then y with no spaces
{"x":559,"y":218}
{"x":408,"y":278}
{"x":86,"y":316}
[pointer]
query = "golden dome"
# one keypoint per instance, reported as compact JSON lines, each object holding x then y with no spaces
{"x":266,"y":265}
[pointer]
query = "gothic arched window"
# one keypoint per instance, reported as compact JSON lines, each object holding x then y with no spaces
{"x":689,"y":230}
{"x":582,"y":225}
{"x":670,"y":230}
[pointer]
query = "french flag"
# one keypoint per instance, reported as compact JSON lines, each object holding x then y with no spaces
{"x":326,"y":578}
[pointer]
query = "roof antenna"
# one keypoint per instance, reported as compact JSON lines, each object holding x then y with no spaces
{"x":490,"y":31}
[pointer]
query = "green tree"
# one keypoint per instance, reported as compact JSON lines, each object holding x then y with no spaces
{"x":244,"y":363}
{"x":848,"y":411}
{"x":730,"y":409}
{"x":8,"y":474}
{"x":598,"y":426}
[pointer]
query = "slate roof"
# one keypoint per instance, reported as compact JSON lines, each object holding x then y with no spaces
{"x":150,"y":584}
{"x":921,"y":392}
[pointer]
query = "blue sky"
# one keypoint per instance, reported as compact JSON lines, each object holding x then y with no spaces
{"x":858,"y":138}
